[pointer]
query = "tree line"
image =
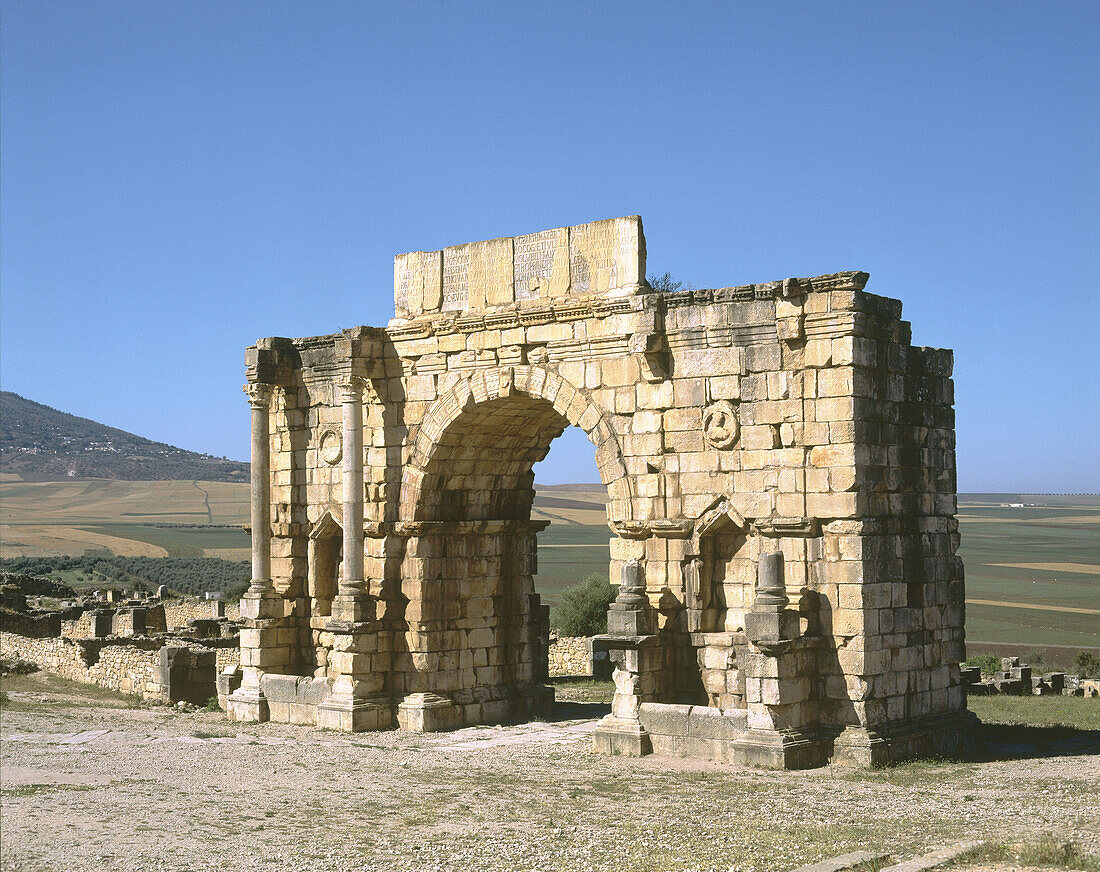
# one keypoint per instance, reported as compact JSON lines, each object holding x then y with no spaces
{"x":191,"y":576}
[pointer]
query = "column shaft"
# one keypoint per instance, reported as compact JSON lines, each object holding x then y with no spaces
{"x":353,"y":489}
{"x":259,"y":398}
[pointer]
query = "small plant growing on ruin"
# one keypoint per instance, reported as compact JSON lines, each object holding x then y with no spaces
{"x":212,"y":705}
{"x":583,"y":607}
{"x":667,"y":284}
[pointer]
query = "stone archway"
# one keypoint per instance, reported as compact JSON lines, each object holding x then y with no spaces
{"x":800,"y":405}
{"x":521,"y":409}
{"x":477,"y":631}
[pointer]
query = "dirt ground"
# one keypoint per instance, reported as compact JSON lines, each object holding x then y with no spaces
{"x":90,"y":781}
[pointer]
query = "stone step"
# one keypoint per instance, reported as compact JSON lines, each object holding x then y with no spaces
{"x":935,"y":859}
{"x":844,"y":862}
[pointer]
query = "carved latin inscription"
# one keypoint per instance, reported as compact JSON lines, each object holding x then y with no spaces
{"x":456,"y":274}
{"x":589,"y":258}
{"x":533,"y":262}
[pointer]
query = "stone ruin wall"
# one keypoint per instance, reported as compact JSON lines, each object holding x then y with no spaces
{"x":791,"y":417}
{"x":570,"y":655}
{"x":178,"y":613}
{"x":121,"y":665}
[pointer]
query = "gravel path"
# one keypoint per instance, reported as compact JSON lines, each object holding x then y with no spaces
{"x":93,"y":785}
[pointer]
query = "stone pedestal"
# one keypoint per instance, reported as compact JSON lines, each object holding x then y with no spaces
{"x":427,"y":713}
{"x":862,"y":747}
{"x":621,"y":737}
{"x":779,"y":669}
{"x":774,"y":749}
{"x":257,"y":606}
{"x":248,"y":704}
{"x":351,"y":714}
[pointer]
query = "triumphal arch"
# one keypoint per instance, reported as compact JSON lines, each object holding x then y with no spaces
{"x":780,"y":471}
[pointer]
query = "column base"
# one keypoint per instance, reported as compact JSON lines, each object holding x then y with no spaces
{"x":621,"y":738}
{"x":354,"y":609}
{"x":248,"y":704}
{"x":256,"y":606}
{"x":947,"y":735}
{"x":779,"y":750}
{"x":355,"y":714}
{"x":427,"y":713}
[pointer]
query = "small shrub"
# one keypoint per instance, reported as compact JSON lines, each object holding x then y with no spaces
{"x":1087,"y":665}
{"x":212,"y":705}
{"x":1047,"y":852}
{"x":583,"y":608}
{"x":18,"y":666}
{"x":988,"y":663}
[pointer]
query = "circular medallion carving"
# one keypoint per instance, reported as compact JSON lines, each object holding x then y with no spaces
{"x":720,"y":426}
{"x":331,"y":447}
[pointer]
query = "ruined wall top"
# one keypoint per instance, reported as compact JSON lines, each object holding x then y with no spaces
{"x":600,"y":257}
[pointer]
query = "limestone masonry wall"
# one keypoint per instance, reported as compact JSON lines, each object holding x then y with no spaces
{"x":116,"y":665}
{"x":123,"y":665}
{"x":178,"y":612}
{"x":570,"y":655}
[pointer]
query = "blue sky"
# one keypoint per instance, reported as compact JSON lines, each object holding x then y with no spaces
{"x":180,"y":179}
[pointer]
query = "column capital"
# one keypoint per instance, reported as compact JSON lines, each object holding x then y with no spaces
{"x":349,"y":389}
{"x":259,"y":395}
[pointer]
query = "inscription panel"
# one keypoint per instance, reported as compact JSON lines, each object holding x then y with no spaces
{"x":588,"y":258}
{"x":416,"y":282}
{"x":456,"y":275}
{"x":606,"y":254}
{"x":533,"y":262}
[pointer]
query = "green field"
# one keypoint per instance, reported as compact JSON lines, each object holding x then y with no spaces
{"x":1036,"y":562}
{"x":1056,"y":557}
{"x":1032,"y":570}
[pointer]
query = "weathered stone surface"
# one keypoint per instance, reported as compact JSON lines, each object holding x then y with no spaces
{"x":588,"y":259}
{"x":393,"y":546}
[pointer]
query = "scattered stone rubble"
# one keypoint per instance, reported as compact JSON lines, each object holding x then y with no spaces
{"x":1015,"y":679}
{"x":132,"y":643}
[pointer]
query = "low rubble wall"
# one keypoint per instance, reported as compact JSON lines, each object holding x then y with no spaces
{"x":178,"y":612}
{"x":570,"y":655}
{"x":147,"y":667}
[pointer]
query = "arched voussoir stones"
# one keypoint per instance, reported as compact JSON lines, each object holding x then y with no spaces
{"x":476,"y":391}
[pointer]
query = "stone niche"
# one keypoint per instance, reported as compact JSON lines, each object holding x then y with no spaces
{"x":780,"y":470}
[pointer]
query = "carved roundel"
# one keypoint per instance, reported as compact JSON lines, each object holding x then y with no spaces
{"x":330,"y":445}
{"x":720,"y":426}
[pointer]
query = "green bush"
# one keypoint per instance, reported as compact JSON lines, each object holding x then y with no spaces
{"x":583,"y":607}
{"x":988,"y":663}
{"x":1087,"y":665}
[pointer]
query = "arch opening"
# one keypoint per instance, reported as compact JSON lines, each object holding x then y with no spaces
{"x":478,"y":630}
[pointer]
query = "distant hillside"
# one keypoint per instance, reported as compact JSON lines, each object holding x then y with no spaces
{"x":40,"y":443}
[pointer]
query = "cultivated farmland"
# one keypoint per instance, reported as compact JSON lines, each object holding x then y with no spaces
{"x":1032,"y":569}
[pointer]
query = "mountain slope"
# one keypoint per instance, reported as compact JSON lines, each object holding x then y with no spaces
{"x":40,"y":443}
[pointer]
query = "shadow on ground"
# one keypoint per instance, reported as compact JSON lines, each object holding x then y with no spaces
{"x":576,"y":711}
{"x":1019,"y":742}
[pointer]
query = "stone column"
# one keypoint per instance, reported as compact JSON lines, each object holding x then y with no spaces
{"x":351,"y":597}
{"x":260,"y":606}
{"x":259,"y":398}
{"x":630,"y":642}
{"x":779,"y":668}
